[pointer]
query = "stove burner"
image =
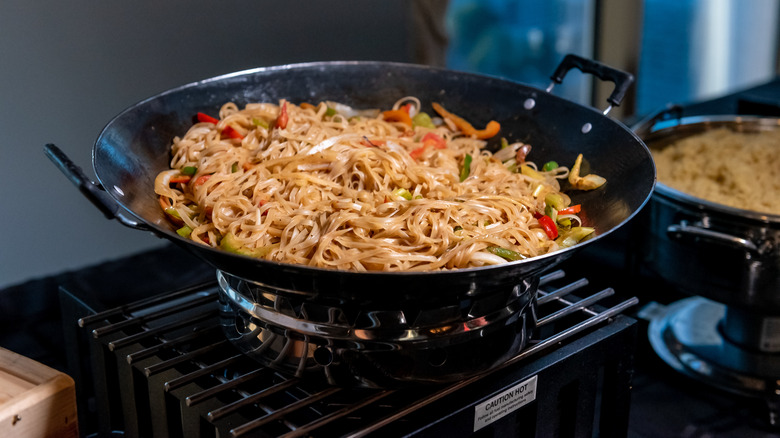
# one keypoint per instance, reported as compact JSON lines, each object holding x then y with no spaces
{"x":377,"y":343}
{"x":163,"y":367}
{"x":695,"y":337}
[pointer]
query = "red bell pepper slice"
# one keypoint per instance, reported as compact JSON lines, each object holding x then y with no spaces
{"x":574,"y":209}
{"x":281,"y":121}
{"x":417,"y":152}
{"x":202,"y":179}
{"x":229,"y":131}
{"x":205,"y":118}
{"x":548,"y":225}
{"x":431,"y":139}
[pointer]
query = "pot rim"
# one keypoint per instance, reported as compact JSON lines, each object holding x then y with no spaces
{"x":690,"y":125}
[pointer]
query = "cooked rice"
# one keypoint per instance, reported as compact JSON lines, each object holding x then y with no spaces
{"x":736,"y":169}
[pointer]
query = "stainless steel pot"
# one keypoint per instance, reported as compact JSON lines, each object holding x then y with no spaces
{"x":726,"y":254}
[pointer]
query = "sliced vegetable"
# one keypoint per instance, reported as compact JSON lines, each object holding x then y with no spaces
{"x":466,"y":170}
{"x":548,"y":225}
{"x":564,"y":223}
{"x":403,"y":193}
{"x":260,"y":122}
{"x":397,"y":116}
{"x":234,"y":167}
{"x":587,"y":182}
{"x":531,"y":172}
{"x":231,"y":132}
{"x":189,"y":170}
{"x":230,"y":243}
{"x":507,"y":153}
{"x":554,"y":200}
{"x":307,"y":105}
{"x":184,"y":231}
{"x":283,"y":118}
{"x":490,"y":130}
{"x":205,"y":118}
{"x":550,"y":165}
{"x":522,"y":153}
{"x":164,"y":201}
{"x":435,"y":140}
{"x":202,"y":179}
{"x":429,"y":140}
{"x":506,"y":254}
{"x":422,"y":119}
{"x":551,"y":212}
{"x":573,"y":209}
{"x":173,"y":212}
{"x":574,"y":236}
{"x":180,"y":179}
{"x":330,"y":112}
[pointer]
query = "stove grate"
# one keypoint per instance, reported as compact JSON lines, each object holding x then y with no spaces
{"x":162,"y":368}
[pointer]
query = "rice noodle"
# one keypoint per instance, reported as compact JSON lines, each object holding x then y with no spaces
{"x":350,"y":192}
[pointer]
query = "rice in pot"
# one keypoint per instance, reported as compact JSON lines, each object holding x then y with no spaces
{"x":736,"y":169}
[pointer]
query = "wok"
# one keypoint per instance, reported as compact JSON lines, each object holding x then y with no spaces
{"x":135,"y":146}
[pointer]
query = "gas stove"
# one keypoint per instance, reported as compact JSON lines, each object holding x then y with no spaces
{"x":161,"y":366}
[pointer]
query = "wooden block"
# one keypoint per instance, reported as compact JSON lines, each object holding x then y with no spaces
{"x":35,"y":400}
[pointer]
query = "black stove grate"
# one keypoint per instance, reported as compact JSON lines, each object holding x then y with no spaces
{"x":161,"y":367}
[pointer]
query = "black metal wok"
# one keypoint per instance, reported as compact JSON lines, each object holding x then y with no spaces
{"x":135,"y":146}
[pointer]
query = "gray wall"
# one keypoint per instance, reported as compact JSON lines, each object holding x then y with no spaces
{"x":66,"y":68}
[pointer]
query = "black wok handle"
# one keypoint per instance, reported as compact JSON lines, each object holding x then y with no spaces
{"x":94,"y":192}
{"x":622,"y":79}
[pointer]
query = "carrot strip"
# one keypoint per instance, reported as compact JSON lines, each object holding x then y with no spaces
{"x":165,"y":202}
{"x":490,"y":130}
{"x":397,"y":116}
{"x":180,"y":179}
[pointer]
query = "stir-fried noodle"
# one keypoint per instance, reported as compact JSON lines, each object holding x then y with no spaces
{"x":334,"y":187}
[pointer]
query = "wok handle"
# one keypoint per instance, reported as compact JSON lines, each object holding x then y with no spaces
{"x":92,"y":191}
{"x":622,"y":79}
{"x":683,"y":229}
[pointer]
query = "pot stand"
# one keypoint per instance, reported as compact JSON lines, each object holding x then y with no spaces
{"x":721,"y":346}
{"x":383,"y":342}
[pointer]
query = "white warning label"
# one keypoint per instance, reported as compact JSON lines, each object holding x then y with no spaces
{"x":496,"y":407}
